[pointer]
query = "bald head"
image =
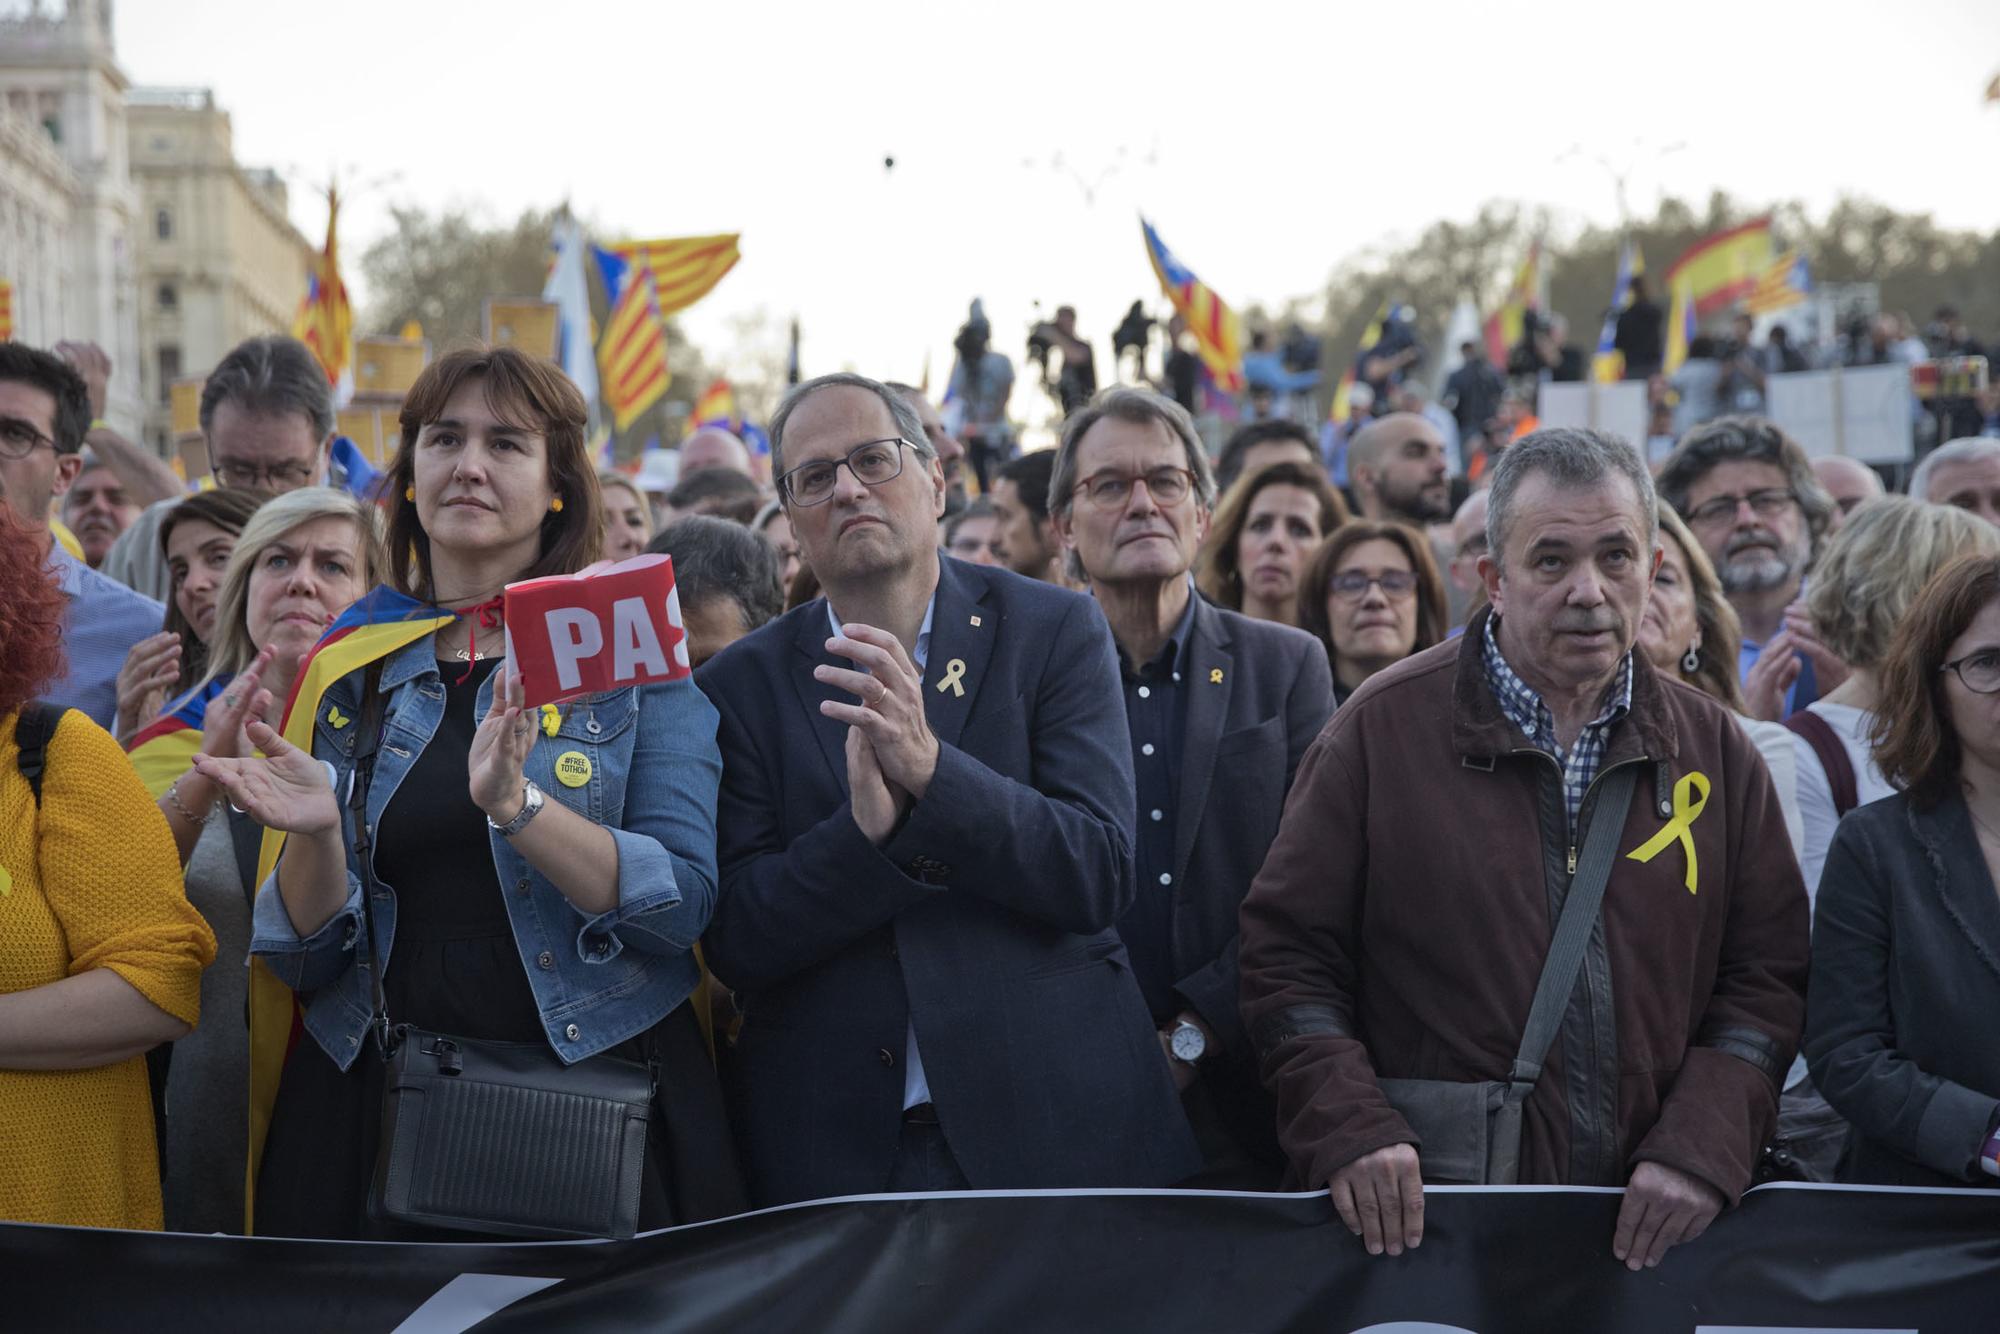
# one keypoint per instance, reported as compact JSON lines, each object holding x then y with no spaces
{"x":713,"y":447}
{"x":1397,"y":466}
{"x":1468,"y":526}
{"x":1848,"y":482}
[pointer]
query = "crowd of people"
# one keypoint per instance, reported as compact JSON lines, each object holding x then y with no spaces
{"x":1124,"y":813}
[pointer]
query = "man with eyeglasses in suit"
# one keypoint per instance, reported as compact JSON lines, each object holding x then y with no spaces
{"x":925,"y":840}
{"x":1219,"y":707}
{"x":267,"y":421}
{"x":44,"y":416}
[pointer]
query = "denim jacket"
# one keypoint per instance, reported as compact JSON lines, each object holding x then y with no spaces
{"x":653,"y":771}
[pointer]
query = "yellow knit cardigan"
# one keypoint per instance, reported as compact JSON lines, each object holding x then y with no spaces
{"x":89,"y":881}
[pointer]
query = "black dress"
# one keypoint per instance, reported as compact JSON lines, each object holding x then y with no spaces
{"x":455,"y":968}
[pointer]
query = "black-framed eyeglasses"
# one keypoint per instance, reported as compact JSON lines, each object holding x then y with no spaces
{"x":275,"y":477}
{"x":1978,"y":670}
{"x":1352,"y":585}
{"x":1109,"y":490}
{"x":1765,"y":504}
{"x":18,"y":439}
{"x":872,"y":462}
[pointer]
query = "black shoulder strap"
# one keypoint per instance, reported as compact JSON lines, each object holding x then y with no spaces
{"x":366,"y":743}
{"x":33,"y":731}
{"x":1826,"y":744}
{"x":1573,"y":927}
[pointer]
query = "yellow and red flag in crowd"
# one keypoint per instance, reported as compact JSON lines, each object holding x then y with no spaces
{"x":325,"y":322}
{"x":6,"y":310}
{"x":1370,"y":336}
{"x":1505,"y":327}
{"x":717,"y":404}
{"x":1217,"y":331}
{"x":1721,"y":269}
{"x":684,"y":269}
{"x":632,"y":352}
{"x":1787,"y":282}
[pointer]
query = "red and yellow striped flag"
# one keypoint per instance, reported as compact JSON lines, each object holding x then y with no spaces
{"x":6,"y":310}
{"x":1721,"y":269}
{"x":685,"y":269}
{"x":632,"y":354}
{"x":325,"y":322}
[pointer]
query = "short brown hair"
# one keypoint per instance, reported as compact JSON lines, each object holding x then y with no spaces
{"x":1914,"y":744}
{"x":526,"y":392}
{"x":1215,"y":568}
{"x":1431,"y":605}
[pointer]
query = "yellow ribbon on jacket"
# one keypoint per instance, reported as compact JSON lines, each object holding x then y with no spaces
{"x":1690,"y":798}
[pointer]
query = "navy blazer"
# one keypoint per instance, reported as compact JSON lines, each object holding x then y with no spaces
{"x":1245,"y":730}
{"x":1905,"y":983}
{"x":988,"y":919}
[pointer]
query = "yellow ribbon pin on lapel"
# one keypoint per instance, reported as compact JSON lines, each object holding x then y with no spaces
{"x":1690,"y":797}
{"x":551,"y":720}
{"x":954,"y":674}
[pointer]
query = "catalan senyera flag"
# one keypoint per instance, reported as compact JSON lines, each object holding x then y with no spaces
{"x":325,"y":321}
{"x":715,"y":407}
{"x":1722,"y":269}
{"x":6,"y":310}
{"x":1217,"y":330}
{"x":685,"y":269}
{"x":1370,"y":336}
{"x":163,"y":749}
{"x":1681,"y":326}
{"x":1505,"y":327}
{"x":381,"y":622}
{"x":1786,"y":283}
{"x":1608,"y":366}
{"x":632,"y":351}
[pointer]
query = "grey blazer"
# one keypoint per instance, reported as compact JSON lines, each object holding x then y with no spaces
{"x":1900,"y":1031}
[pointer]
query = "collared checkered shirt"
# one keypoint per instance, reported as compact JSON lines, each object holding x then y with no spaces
{"x":1524,"y":708}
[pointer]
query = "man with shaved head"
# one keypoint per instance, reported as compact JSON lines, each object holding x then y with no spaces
{"x":1848,"y":482}
{"x":1397,"y":470}
{"x":713,"y":447}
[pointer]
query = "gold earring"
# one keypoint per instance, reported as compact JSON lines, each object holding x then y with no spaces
{"x":555,"y":506}
{"x":410,"y":493}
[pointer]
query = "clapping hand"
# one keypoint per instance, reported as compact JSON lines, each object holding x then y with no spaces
{"x":1776,"y":668}
{"x":285,"y":788}
{"x":500,"y":750}
{"x":150,"y":670}
{"x":891,"y":712}
{"x":224,"y":732}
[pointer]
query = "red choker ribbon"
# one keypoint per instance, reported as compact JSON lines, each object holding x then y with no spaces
{"x":487,"y":616}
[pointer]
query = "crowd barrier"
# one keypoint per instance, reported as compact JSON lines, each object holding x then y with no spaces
{"x":1799,"y":1259}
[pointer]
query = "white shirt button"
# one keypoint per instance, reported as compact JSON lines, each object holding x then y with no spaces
{"x":1177,"y":676}
{"x":1159,"y":815}
{"x":1166,"y":879}
{"x":1145,"y":692}
{"x":1146,"y":749}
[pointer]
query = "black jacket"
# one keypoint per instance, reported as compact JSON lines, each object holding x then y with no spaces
{"x":1900,"y":1031}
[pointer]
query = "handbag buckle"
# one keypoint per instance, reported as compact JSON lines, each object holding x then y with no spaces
{"x":449,"y":1060}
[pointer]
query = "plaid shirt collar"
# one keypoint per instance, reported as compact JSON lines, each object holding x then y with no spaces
{"x":1524,"y":707}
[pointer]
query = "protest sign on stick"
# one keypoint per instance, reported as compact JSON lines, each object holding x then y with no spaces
{"x":603,"y":628}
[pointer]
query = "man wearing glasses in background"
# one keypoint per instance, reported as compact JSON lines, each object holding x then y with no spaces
{"x":1219,"y":708}
{"x":44,"y":416}
{"x":924,"y":838}
{"x":1748,"y":493}
{"x":267,"y":420}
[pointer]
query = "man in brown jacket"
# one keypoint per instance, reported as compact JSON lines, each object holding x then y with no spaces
{"x":1401,"y":921}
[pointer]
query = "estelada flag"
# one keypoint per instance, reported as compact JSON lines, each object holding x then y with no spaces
{"x":1217,"y":331}
{"x":164,"y":749}
{"x":381,"y":622}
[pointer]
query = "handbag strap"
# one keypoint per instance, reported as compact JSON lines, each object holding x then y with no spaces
{"x":1573,"y":928}
{"x":1832,"y":755}
{"x":367,"y":743}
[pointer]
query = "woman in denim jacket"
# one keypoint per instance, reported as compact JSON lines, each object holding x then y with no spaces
{"x":544,"y":874}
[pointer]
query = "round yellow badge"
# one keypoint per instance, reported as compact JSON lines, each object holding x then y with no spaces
{"x":572,"y":768}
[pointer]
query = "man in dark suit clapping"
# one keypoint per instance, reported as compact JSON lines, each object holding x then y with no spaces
{"x":925,"y":842}
{"x":1220,"y":707}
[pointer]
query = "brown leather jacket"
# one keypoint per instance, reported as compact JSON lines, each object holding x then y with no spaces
{"x":1400,"y":922}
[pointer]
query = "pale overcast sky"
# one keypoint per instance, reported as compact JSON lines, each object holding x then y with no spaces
{"x":1267,"y":141}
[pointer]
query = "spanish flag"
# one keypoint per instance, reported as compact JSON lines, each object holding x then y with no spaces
{"x":163,"y":750}
{"x":381,"y":622}
{"x":1721,"y":269}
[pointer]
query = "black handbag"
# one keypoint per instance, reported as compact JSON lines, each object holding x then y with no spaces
{"x":494,"y":1137}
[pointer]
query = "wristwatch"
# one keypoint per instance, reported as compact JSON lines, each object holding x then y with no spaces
{"x":531,"y":806}
{"x":1188,"y":1044}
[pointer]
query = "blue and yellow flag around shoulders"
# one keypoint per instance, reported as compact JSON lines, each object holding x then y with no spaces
{"x":381,"y":622}
{"x":164,"y":749}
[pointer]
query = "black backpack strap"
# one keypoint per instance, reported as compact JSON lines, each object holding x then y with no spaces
{"x":33,"y":731}
{"x":1833,"y":758}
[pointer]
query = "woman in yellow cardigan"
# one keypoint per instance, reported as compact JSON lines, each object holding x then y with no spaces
{"x":100,"y":952}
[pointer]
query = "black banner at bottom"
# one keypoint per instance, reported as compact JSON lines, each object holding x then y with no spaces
{"x":1494,"y":1261}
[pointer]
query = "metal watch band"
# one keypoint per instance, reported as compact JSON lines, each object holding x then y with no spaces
{"x":531,"y":806}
